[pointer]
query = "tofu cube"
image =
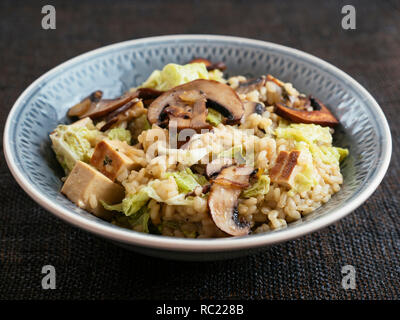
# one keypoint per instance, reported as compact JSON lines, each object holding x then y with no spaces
{"x":85,"y":186}
{"x":115,"y":158}
{"x":285,"y":169}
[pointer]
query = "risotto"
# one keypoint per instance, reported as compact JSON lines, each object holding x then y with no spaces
{"x":192,"y":154}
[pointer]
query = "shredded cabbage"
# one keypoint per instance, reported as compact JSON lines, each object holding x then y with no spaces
{"x":318,"y":139}
{"x":261,"y":187}
{"x":187,"y":181}
{"x":179,"y":200}
{"x":140,"y":218}
{"x":305,"y":179}
{"x":213,"y":117}
{"x":120,"y":134}
{"x":130,"y":204}
{"x":202,"y":180}
{"x":74,"y":142}
{"x":309,"y":133}
{"x":173,"y":75}
{"x":112,"y":207}
{"x":134,"y":202}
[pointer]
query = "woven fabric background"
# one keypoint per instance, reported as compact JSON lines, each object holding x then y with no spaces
{"x":308,"y":268}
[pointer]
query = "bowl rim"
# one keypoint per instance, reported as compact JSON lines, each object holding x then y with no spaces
{"x":198,"y":245}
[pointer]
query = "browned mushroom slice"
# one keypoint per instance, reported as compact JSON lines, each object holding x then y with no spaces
{"x":320,"y":114}
{"x":130,"y":110}
{"x":284,"y":171}
{"x":251,"y":85}
{"x":193,"y":98}
{"x":82,"y":107}
{"x":99,"y":108}
{"x":223,"y":199}
{"x":234,"y":176}
{"x":215,"y":166}
{"x":209,"y":65}
{"x":190,"y":112}
{"x":148,"y":93}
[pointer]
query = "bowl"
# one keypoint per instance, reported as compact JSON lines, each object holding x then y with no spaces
{"x":115,"y":68}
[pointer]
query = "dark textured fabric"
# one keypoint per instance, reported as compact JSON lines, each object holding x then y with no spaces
{"x":308,"y":268}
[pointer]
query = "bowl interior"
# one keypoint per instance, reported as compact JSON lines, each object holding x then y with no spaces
{"x":117,"y":68}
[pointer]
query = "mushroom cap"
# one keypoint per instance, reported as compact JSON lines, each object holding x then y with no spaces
{"x":82,"y":107}
{"x":94,"y":107}
{"x":320,"y":115}
{"x":222,"y":201}
{"x":217,"y":95}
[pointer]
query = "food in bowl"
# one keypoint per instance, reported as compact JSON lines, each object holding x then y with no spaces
{"x":191,"y":154}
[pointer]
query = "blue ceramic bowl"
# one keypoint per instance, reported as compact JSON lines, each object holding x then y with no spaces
{"x":115,"y":68}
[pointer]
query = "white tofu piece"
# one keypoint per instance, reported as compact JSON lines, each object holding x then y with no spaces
{"x":85,"y":186}
{"x":113,"y":158}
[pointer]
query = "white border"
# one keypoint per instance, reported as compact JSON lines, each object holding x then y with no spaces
{"x":198,"y":245}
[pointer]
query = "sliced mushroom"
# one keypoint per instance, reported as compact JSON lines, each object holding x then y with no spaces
{"x":189,"y":112}
{"x":97,"y":107}
{"x":128,"y":111}
{"x":148,"y":93}
{"x":186,"y":104}
{"x":82,"y":107}
{"x":320,"y":114}
{"x":251,"y":85}
{"x":214,"y":167}
{"x":223,"y":199}
{"x":234,"y":176}
{"x":209,"y":65}
{"x":284,"y":171}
